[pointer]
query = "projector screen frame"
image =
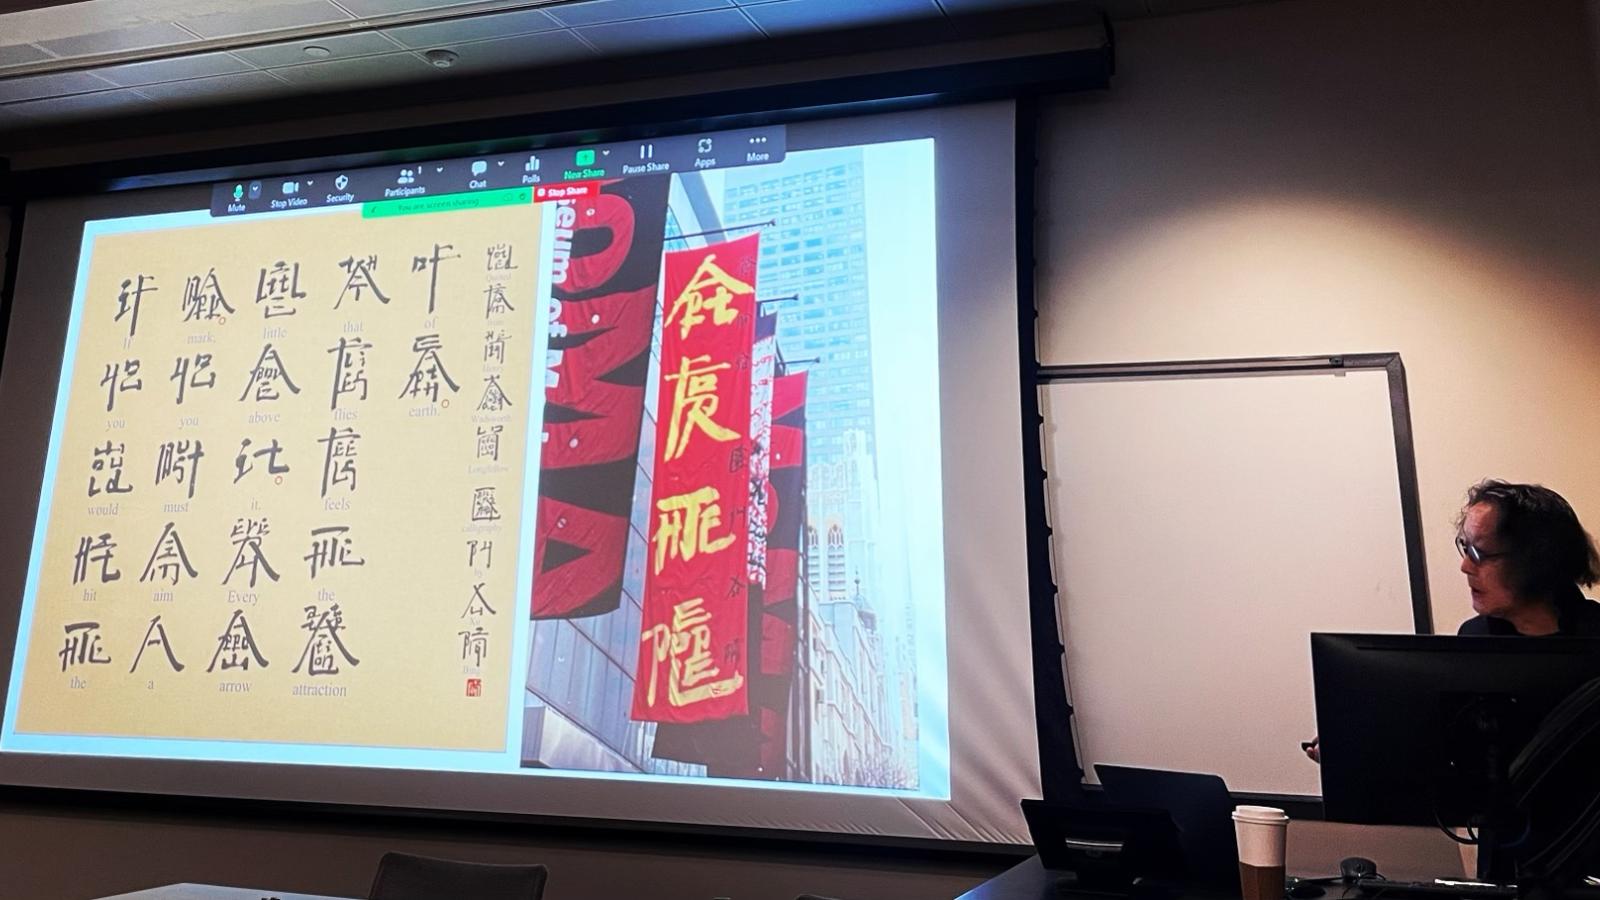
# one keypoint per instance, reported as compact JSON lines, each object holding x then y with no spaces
{"x":1018,"y":80}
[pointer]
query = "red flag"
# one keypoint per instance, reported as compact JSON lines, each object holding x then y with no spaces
{"x":756,"y":745}
{"x":607,"y":262}
{"x":786,"y":506}
{"x":694,"y":654}
{"x":786,"y":516}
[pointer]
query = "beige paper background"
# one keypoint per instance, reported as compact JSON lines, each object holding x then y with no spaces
{"x":409,"y":515}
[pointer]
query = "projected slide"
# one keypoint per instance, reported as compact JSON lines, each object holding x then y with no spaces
{"x":572,"y":464}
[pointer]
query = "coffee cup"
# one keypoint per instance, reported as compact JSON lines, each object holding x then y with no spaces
{"x":1261,"y":833}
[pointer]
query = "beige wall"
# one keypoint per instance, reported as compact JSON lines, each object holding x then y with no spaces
{"x":1318,"y":177}
{"x":1314,"y":176}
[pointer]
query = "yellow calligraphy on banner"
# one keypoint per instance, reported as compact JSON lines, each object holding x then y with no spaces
{"x":686,"y":646}
{"x":694,"y":402}
{"x":690,"y":308}
{"x":683,"y":528}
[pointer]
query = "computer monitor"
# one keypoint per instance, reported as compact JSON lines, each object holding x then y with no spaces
{"x":1422,"y":729}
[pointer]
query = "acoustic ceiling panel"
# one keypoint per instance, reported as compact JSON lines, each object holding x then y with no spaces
{"x":40,"y":45}
{"x":337,"y":46}
{"x":595,"y":12}
{"x":138,"y":37}
{"x":387,"y":7}
{"x":33,"y":87}
{"x":801,"y":16}
{"x":178,"y":68}
{"x":265,"y":17}
{"x":198,"y":91}
{"x":438,"y":34}
{"x":21,"y":54}
{"x":526,"y":50}
{"x":670,"y":32}
{"x":80,"y":106}
{"x":366,"y":71}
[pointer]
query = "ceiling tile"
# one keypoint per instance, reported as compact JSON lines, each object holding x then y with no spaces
{"x":440,"y":34}
{"x":796,"y":16}
{"x":521,"y":51}
{"x":593,"y":12}
{"x":32,"y":87}
{"x":21,"y":54}
{"x":667,"y":32}
{"x":339,"y":46}
{"x":957,"y":7}
{"x":178,"y":68}
{"x":137,"y":37}
{"x":265,"y":17}
{"x":241,"y":86}
{"x":365,"y":71}
{"x":390,"y":7}
{"x":79,"y":106}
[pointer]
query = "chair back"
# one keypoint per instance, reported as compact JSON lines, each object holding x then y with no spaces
{"x":402,"y":876}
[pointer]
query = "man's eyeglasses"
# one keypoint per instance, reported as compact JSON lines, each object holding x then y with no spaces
{"x":1470,"y":551}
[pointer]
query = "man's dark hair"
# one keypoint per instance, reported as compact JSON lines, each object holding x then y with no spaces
{"x":1547,"y":550}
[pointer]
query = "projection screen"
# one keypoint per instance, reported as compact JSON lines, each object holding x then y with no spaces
{"x":675,"y":480}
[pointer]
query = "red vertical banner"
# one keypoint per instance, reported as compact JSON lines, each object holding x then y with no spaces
{"x":786,"y":507}
{"x":694,"y":653}
{"x":781,"y":610}
{"x":604,"y":271}
{"x":757,"y":745}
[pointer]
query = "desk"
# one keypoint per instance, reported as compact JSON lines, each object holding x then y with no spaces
{"x":1026,"y":880}
{"x":214,"y":892}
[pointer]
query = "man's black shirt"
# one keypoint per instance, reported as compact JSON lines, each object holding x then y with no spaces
{"x":1576,"y":616}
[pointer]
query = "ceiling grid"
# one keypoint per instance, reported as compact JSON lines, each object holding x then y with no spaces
{"x":99,"y":59}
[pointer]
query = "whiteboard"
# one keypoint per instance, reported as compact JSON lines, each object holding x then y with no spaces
{"x":1203,"y":527}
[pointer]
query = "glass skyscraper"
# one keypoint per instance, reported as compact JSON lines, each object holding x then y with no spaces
{"x":816,"y":252}
{"x":814,"y":263}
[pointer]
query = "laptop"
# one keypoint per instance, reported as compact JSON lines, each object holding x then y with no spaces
{"x":1096,"y":848}
{"x":1201,"y":807}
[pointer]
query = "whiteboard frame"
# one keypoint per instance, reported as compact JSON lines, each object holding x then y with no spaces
{"x":1405,"y":466}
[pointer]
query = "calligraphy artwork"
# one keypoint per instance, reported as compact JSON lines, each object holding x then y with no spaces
{"x":277,"y":437}
{"x":694,"y":647}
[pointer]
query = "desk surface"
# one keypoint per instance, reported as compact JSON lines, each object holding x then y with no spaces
{"x":1026,"y":880}
{"x":214,"y":892}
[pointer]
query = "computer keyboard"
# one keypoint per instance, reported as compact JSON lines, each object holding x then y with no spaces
{"x":1438,"y":887}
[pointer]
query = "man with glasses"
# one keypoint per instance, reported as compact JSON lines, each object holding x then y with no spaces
{"x":1525,"y":556}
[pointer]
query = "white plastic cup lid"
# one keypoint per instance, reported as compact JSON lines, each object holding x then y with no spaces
{"x":1261,"y":815}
